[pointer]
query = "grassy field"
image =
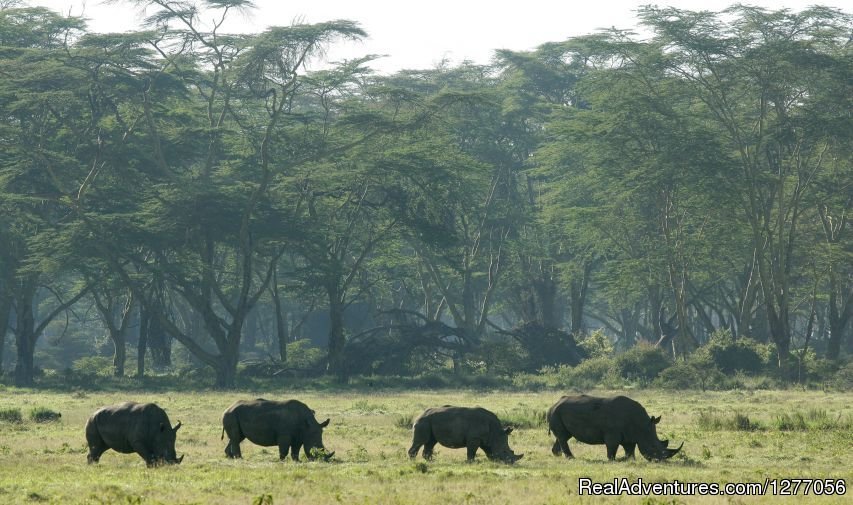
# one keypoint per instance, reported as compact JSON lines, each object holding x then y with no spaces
{"x":735,"y":436}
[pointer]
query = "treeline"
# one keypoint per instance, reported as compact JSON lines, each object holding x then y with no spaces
{"x":183,"y":183}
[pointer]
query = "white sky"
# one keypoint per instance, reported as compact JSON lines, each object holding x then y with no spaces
{"x":419,"y":34}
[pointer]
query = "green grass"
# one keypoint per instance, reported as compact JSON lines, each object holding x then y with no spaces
{"x":734,"y":436}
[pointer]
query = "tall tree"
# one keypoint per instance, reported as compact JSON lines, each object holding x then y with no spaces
{"x":757,"y":77}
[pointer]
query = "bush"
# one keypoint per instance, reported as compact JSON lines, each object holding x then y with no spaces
{"x":11,"y":416}
{"x":713,"y":421}
{"x":843,"y":378}
{"x":93,"y":366}
{"x":44,"y":415}
{"x":590,"y":373}
{"x":642,"y":362}
{"x":680,"y":376}
{"x":502,"y":356}
{"x":730,"y":355}
{"x":302,"y":355}
{"x":596,"y":344}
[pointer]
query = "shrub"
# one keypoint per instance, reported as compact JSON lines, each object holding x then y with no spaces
{"x":730,"y":355}
{"x":404,"y":422}
{"x":93,"y":366}
{"x":714,"y":421}
{"x":302,"y":355}
{"x":44,"y":415}
{"x":791,"y":422}
{"x":843,"y":378}
{"x":523,"y":418}
{"x":818,"y":369}
{"x":11,"y":416}
{"x":680,"y":376}
{"x":642,"y":362}
{"x":590,"y":373}
{"x":812,"y":419}
{"x":502,"y":356}
{"x":596,"y":344}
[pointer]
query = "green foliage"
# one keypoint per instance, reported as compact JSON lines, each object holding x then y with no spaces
{"x":302,"y":354}
{"x":523,"y":418}
{"x":591,"y":373}
{"x":93,"y":366}
{"x":730,"y":355}
{"x":712,"y":420}
{"x":642,"y":362}
{"x":812,"y":419}
{"x":44,"y":415}
{"x":263,"y":499}
{"x":843,"y":379}
{"x":596,"y":344}
{"x":404,"y":422}
{"x":11,"y":415}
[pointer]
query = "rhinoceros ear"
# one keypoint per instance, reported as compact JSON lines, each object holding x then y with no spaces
{"x":508,"y":430}
{"x":655,"y":420}
{"x":325,"y":423}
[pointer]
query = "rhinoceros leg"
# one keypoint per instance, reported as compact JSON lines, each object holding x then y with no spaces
{"x":562,"y":436}
{"x":294,"y":451}
{"x":96,"y":444}
{"x":232,"y":450}
{"x":283,"y":447}
{"x":144,"y":452}
{"x":612,"y":446}
{"x":629,"y":449}
{"x":428,"y":448}
{"x":235,"y":436}
{"x":422,"y":436}
{"x":564,"y":446}
{"x":472,"y":447}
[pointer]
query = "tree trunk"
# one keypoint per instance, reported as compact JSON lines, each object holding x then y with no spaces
{"x":578,"y":290}
{"x":336,"y":336}
{"x":281,"y":329}
{"x":119,"y":354}
{"x":226,"y":372}
{"x":5,"y":312}
{"x":145,"y":320}
{"x":24,"y":329}
{"x":25,"y":338}
{"x":159,"y":342}
{"x":838,"y":318}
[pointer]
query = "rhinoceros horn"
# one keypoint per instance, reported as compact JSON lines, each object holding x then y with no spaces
{"x":178,"y":461}
{"x":668,"y":453}
{"x":177,"y":426}
{"x":327,"y":457}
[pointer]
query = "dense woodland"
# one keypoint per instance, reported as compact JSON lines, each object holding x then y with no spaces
{"x":199,"y":200}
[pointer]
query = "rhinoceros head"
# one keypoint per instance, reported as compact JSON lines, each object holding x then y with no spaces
{"x":313,"y":440}
{"x":499,"y":448}
{"x":165,"y":444}
{"x":653,"y":448}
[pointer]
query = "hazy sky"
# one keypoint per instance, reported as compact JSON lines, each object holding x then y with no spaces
{"x":418,"y":34}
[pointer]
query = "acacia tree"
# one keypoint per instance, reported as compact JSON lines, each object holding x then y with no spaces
{"x":458,"y":186}
{"x":757,"y":78}
{"x":208,"y":228}
{"x":43,"y":106}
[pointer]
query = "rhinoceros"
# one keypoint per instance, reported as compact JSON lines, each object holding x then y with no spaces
{"x":457,"y":427}
{"x":290,"y":425}
{"x":129,"y":427}
{"x":610,"y":421}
